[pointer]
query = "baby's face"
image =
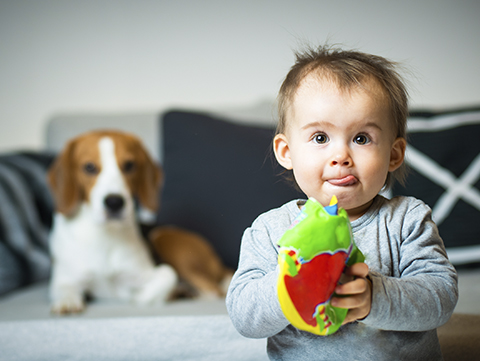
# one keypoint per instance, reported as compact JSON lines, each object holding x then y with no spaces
{"x":340,"y":143}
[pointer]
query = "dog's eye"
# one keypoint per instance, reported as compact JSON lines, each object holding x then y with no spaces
{"x":90,"y":168}
{"x":128,"y":166}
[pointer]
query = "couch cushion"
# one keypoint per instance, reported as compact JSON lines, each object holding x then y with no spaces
{"x":219,"y":177}
{"x":200,"y":338}
{"x":444,"y":158}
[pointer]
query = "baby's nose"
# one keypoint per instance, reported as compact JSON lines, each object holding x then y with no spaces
{"x":341,"y":159}
{"x":344,"y":162}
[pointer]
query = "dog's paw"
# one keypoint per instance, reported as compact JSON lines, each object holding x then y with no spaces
{"x":69,"y":302}
{"x":159,"y":287}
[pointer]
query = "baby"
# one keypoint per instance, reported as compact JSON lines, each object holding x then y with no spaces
{"x":342,"y":132}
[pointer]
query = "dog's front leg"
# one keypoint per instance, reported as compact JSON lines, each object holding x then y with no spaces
{"x":66,"y":296}
{"x":158,"y":285}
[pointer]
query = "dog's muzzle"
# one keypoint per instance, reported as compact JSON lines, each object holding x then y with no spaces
{"x":114,"y":204}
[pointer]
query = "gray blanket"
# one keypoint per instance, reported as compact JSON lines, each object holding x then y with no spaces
{"x":25,"y":218}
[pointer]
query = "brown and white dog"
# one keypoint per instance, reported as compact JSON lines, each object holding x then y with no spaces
{"x":96,"y":245}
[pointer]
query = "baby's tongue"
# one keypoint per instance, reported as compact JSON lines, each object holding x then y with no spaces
{"x":345,"y":181}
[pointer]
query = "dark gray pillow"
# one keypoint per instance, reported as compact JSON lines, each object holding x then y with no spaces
{"x":219,"y":177}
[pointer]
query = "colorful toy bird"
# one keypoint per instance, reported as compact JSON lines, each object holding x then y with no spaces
{"x":312,"y":257}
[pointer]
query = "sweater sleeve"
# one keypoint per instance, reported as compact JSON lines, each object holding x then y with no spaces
{"x":252,"y":301}
{"x":424,"y":295}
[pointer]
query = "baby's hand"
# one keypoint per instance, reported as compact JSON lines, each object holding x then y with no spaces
{"x":358,"y":293}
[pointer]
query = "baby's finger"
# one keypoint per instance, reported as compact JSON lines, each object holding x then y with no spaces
{"x":349,"y":302}
{"x":357,"y":270}
{"x":351,"y":288}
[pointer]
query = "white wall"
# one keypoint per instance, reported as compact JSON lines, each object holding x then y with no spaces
{"x":124,"y":56}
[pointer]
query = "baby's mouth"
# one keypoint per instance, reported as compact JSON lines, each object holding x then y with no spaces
{"x":343,"y":182}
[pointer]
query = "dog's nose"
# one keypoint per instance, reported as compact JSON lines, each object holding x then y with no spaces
{"x":114,"y":202}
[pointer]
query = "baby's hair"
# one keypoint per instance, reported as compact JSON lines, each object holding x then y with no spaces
{"x":348,"y":70}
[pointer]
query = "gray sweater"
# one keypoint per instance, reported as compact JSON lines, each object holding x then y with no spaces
{"x":414,"y":287}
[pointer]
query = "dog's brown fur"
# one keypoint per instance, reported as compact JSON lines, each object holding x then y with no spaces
{"x":193,"y":258}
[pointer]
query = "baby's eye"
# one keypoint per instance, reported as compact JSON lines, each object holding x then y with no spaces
{"x":361,"y":139}
{"x":321,"y":138}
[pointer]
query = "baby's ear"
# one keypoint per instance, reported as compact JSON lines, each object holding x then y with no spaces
{"x":397,"y":153}
{"x":282,"y":151}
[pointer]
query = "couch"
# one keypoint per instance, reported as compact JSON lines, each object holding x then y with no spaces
{"x":220,"y":175}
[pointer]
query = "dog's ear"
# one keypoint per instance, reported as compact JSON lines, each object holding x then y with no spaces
{"x":61,"y":177}
{"x":149,"y":180}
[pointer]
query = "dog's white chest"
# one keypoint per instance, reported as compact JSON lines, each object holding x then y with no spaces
{"x":100,"y":256}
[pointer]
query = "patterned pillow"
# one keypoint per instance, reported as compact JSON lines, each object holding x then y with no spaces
{"x":444,"y":158}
